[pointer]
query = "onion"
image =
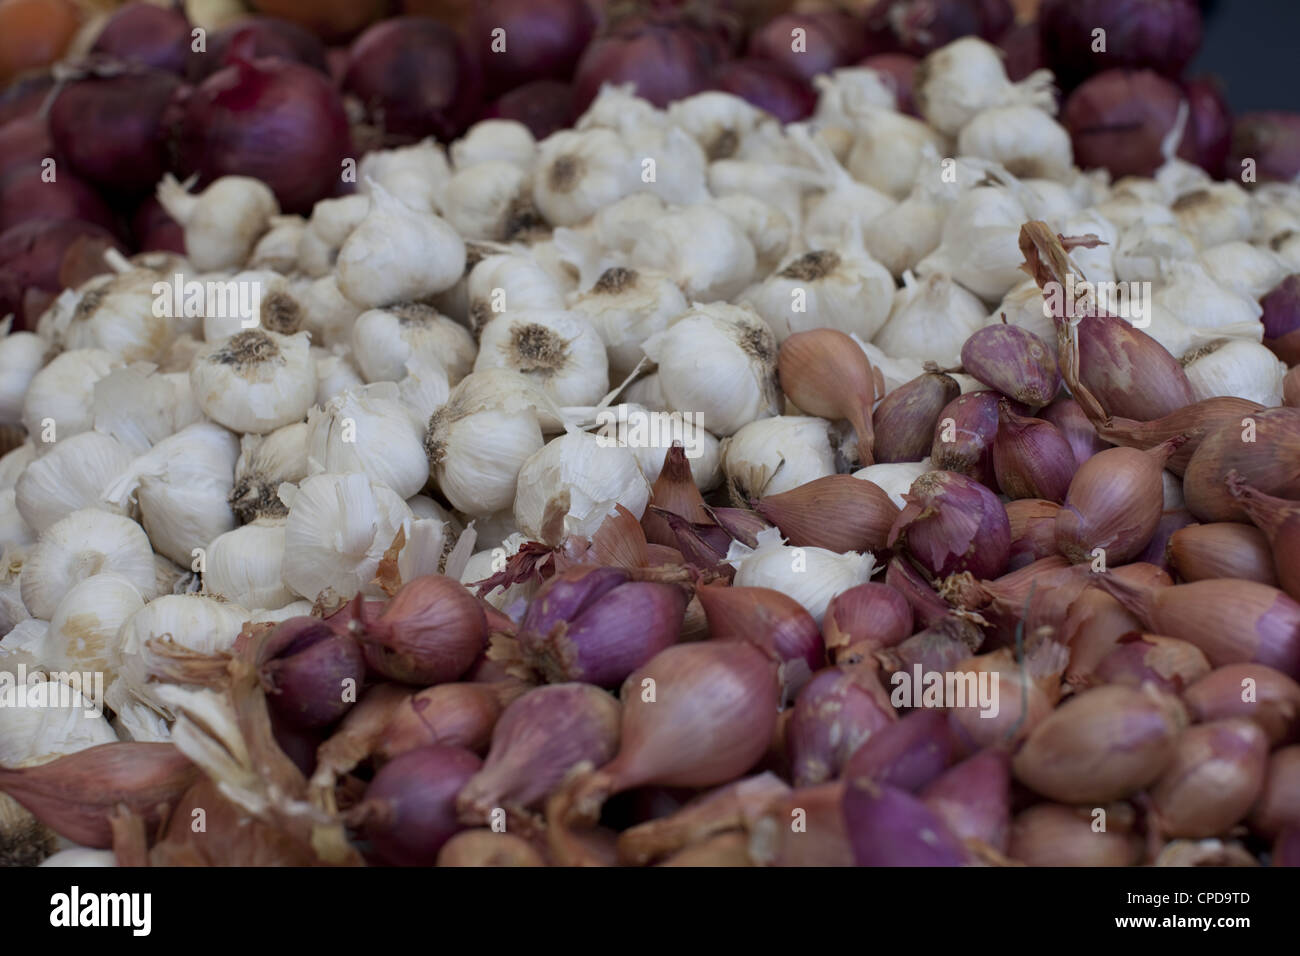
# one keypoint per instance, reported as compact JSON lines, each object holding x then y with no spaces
{"x":544,"y":106}
{"x":664,"y":62}
{"x":109,"y":126}
{"x":34,"y":33}
{"x":1118,"y":119}
{"x":1271,"y":138}
{"x":831,"y":39}
{"x":265,"y":37}
{"x":30,"y":256}
{"x":1160,"y":34}
{"x":898,"y":70}
{"x":543,"y":40}
{"x":273,"y":120}
{"x":155,"y":230}
{"x":329,"y":19}
{"x":1210,"y":123}
{"x":768,"y":86}
{"x":1022,"y":51}
{"x":409,"y":810}
{"x":25,"y":96}
{"x":147,"y":34}
{"x":25,"y":196}
{"x":414,"y":78}
{"x":24,"y":140}
{"x":919,"y":27}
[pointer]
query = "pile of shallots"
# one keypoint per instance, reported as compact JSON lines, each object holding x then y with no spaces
{"x":681,"y":489}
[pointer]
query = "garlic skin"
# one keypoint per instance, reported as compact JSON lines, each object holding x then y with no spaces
{"x":780,"y":186}
{"x":80,"y":856}
{"x":1144,"y":251}
{"x":1196,"y":300}
{"x":495,"y":140}
{"x":336,"y":372}
{"x":889,"y":147}
{"x":1214,"y":213}
{"x":718,"y":361}
{"x":385,"y":340}
{"x":843,"y":206}
{"x":425,"y":388}
{"x":60,"y":400}
{"x":21,"y":356}
{"x":649,"y":440}
{"x":1236,"y":367}
{"x":580,"y":171}
{"x":811,"y":576}
{"x":626,"y":307}
{"x":256,"y":381}
{"x":671,"y":163}
{"x":280,"y":309}
{"x":1249,"y":270}
{"x":894,"y":478}
{"x":16,"y":536}
{"x":13,"y":463}
{"x":491,"y":200}
{"x":646,"y":391}
{"x":963,"y":78}
{"x":397,"y":254}
{"x":369,"y":430}
{"x":1024,"y":139}
{"x":558,"y":350}
{"x":50,"y":720}
{"x":84,"y":628}
{"x":140,"y":408}
{"x":823,"y":289}
{"x":719,"y":122}
{"x":778,"y":454}
{"x":483,"y":564}
{"x":120,"y":314}
{"x":768,"y":229}
{"x":222,"y":223}
{"x":582,"y":478}
{"x":338,"y":528}
{"x":299,"y":608}
{"x":265,"y":462}
{"x":278,"y":248}
{"x":417,"y":174}
{"x":701,"y":248}
{"x":24,"y":642}
{"x":980,"y":247}
{"x":509,"y":283}
{"x":71,"y":477}
{"x":930,"y":320}
{"x":328,"y":313}
{"x":243,"y":565}
{"x":85,"y":543}
{"x":331,"y":222}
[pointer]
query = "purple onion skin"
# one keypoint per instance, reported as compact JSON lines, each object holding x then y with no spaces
{"x":952,"y":523}
{"x":832,"y":39}
{"x":1162,"y":35}
{"x":663,"y":62}
{"x":567,"y":595}
{"x":919,"y":27}
{"x":1210,"y":122}
{"x":833,"y":716}
{"x":907,"y":754}
{"x":1156,"y":551}
{"x":24,"y":141}
{"x":928,"y":608}
{"x":907,"y":417}
{"x":25,"y":95}
{"x":415,"y":794}
{"x":1032,"y":459}
{"x":1271,"y":138}
{"x":1022,"y":51}
{"x":544,"y":39}
{"x":306,"y":671}
{"x":1068,"y":416}
{"x":899,"y":73}
{"x":298,"y":743}
{"x":1281,"y":319}
{"x":30,"y":255}
{"x":1286,"y":849}
{"x":890,"y":827}
{"x":1118,"y":119}
{"x":544,"y":106}
{"x":768,"y":86}
{"x":1013,"y":361}
{"x":267,"y":37}
{"x":147,"y":34}
{"x":1155,"y":384}
{"x":974,"y":798}
{"x":966,"y":446}
{"x":24,"y":196}
{"x":939,"y":648}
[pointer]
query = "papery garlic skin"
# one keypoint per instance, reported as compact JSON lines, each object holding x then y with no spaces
{"x":417,"y":174}
{"x":328,"y":313}
{"x":1144,"y":251}
{"x":778,"y":454}
{"x":959,"y":80}
{"x":589,"y":475}
{"x":369,"y":430}
{"x":278,"y":247}
{"x":84,"y":627}
{"x":1214,"y":213}
{"x":1024,"y":139}
{"x":931,"y":320}
{"x":24,"y":642}
{"x":85,"y":543}
{"x":140,"y":408}
{"x":280,"y":310}
{"x":385,"y":340}
{"x":702,"y":248}
{"x":425,"y":388}
{"x":491,"y":200}
{"x":45,"y":720}
{"x":1236,"y":367}
{"x":649,"y":436}
{"x":718,"y":361}
{"x":336,"y":372}
{"x":60,"y":400}
{"x":559,"y":350}
{"x":265,"y":462}
{"x":495,"y":140}
{"x":81,"y":856}
{"x":1024,"y":306}
{"x":768,"y":229}
{"x":331,"y":222}
{"x":888,"y":149}
{"x":482,"y":565}
{"x":243,"y":565}
{"x":647,"y":392}
{"x":626,"y":307}
{"x":398,"y":254}
{"x":1195,"y":299}
{"x":299,"y":608}
{"x":70,"y":477}
{"x":980,"y":247}
{"x":223,"y":222}
{"x":894,"y":478}
{"x":847,"y":291}
{"x":509,"y":283}
{"x":255,"y":381}
{"x":338,"y":528}
{"x":16,"y":536}
{"x":13,"y":463}
{"x":22,"y":354}
{"x":719,"y":122}
{"x":812,"y":576}
{"x":1244,"y":268}
{"x":579,"y":171}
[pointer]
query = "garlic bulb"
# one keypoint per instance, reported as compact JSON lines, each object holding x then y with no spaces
{"x":495,"y":140}
{"x":904,"y":234}
{"x":894,"y":478}
{"x":646,"y":391}
{"x":255,"y":381}
{"x":701,"y":248}
{"x":719,"y":122}
{"x":385,"y":340}
{"x":780,"y":186}
{"x":71,"y":477}
{"x":483,"y":564}
{"x":966,"y":77}
{"x":811,"y":576}
{"x":509,"y":283}
{"x":243,"y":565}
{"x":84,"y":627}
{"x":122,"y":314}
{"x":718,"y":361}
{"x":183,"y":485}
{"x":299,"y":608}
{"x":980,"y":246}
{"x":60,"y":400}
{"x":1236,"y":367}
{"x":338,"y":528}
{"x":1143,"y":250}
{"x":768,"y":229}
{"x":1197,"y":300}
{"x":824,"y":289}
{"x":21,"y":356}
{"x":222,"y":223}
{"x":650,"y":436}
{"x":617,"y":107}
{"x":1178,"y":338}
{"x":578,"y":478}
{"x":140,"y":408}
{"x":397,"y":254}
{"x":1126,"y":209}
{"x":1214,"y":213}
{"x":422,"y":506}
{"x":844,"y":206}
{"x":170,"y":578}
{"x":1024,"y":139}
{"x":369,"y":430}
{"x":492,"y":200}
{"x":278,"y":308}
{"x":265,"y":463}
{"x":1050,"y":200}
{"x":331,"y":222}
{"x":425,"y":388}
{"x":335,"y":373}
{"x":46,"y":719}
{"x":13,"y":463}
{"x":1250,"y":270}
{"x":1098,"y":263}
{"x":16,"y":536}
{"x":85,"y":543}
{"x":24,"y":642}
{"x":671,"y":163}
{"x":845,"y":91}
{"x":889,"y":149}
{"x":930,"y":320}
{"x":278,"y":248}
{"x":81,"y":856}
{"x":626,"y":307}
{"x":417,"y":174}
{"x":579,"y":171}
{"x":328,"y":313}
{"x":778,"y":454}
{"x":895,"y":371}
{"x":560,"y":351}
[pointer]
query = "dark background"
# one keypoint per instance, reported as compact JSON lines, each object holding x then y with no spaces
{"x":1253,"y":46}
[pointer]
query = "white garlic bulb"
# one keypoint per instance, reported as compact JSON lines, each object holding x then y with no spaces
{"x":80,"y":856}
{"x":824,"y":289}
{"x":965,"y":77}
{"x":385,"y":340}
{"x":416,"y":174}
{"x":558,"y":350}
{"x":1248,"y":269}
{"x":844,"y":206}
{"x":491,"y":200}
{"x":222,"y":223}
{"x":278,"y":308}
{"x":24,"y":641}
{"x":719,"y":122}
{"x":890,"y":148}
{"x":46,"y":719}
{"x":495,"y":140}
{"x":328,"y":313}
{"x":13,"y":463}
{"x":21,"y":356}
{"x":243,"y":565}
{"x":811,"y":576}
{"x":84,"y":628}
{"x":626,"y":307}
{"x":649,"y":436}
{"x":1144,"y":250}
{"x":671,"y":164}
{"x":483,"y":564}
{"x":278,"y":248}
{"x":398,"y":254}
{"x":255,"y":381}
{"x":781,"y":186}
{"x":768,"y":229}
{"x":778,"y":454}
{"x":369,"y":430}
{"x":425,"y":388}
{"x":140,"y":408}
{"x":704,"y":250}
{"x":299,"y":608}
{"x":336,"y":372}
{"x":894,"y":478}
{"x":509,"y":283}
{"x":579,"y":171}
{"x":1024,"y":139}
{"x":70,"y":477}
{"x":338,"y":528}
{"x":718,"y":361}
{"x":331,"y":222}
{"x":647,"y":392}
{"x":1236,"y":367}
{"x":980,"y":247}
{"x":617,"y":107}
{"x":85,"y":543}
{"x":930,"y":320}
{"x":16,"y":535}
{"x":60,"y":400}
{"x":124,"y":314}
{"x":570,"y":486}
{"x":1214,"y":213}
{"x":265,"y":463}
{"x":1190,"y":294}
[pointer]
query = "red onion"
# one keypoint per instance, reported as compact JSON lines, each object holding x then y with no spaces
{"x":1156,"y":551}
{"x":1118,"y":119}
{"x":542,"y":40}
{"x":23,"y":141}
{"x":771,"y":621}
{"x":1033,"y":531}
{"x":769,"y":86}
{"x":918,"y":27}
{"x":1166,"y":662}
{"x":455,"y":715}
{"x":663,"y":62}
{"x":964,"y":434}
{"x":830,"y":39}
{"x":1022,"y":51}
{"x":24,"y":95}
{"x":312,"y":674}
{"x":866,"y":618}
{"x":1281,"y":319}
{"x":1271,"y":139}
{"x":409,"y":810}
{"x":298,"y":743}
{"x":890,"y":827}
{"x":414,"y":78}
{"x":953,"y":523}
{"x":1068,"y":416}
{"x":25,"y":196}
{"x":1031,"y":458}
{"x":1210,"y":122}
{"x":273,"y":120}
{"x":110,"y":126}
{"x":1162,"y":35}
{"x":155,"y":230}
{"x":907,"y":754}
{"x":974,"y":798}
{"x":544,"y":106}
{"x":927,"y":606}
{"x":1013,"y":361}
{"x":258,"y":37}
{"x":905,"y":420}
{"x":31,"y":254}
{"x":147,"y":34}
{"x":834,"y":714}
{"x":898,"y":70}
{"x":430,"y":632}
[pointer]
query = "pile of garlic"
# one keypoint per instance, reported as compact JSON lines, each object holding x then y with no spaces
{"x":434,"y":354}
